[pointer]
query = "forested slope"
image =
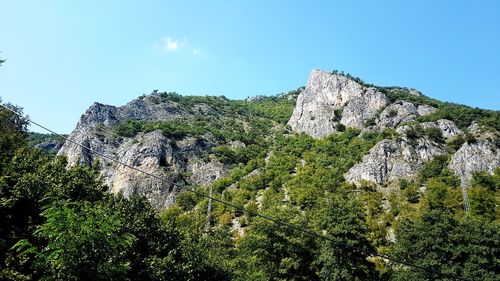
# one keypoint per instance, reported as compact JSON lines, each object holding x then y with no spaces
{"x":388,"y":181}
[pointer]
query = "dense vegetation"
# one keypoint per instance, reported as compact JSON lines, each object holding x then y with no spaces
{"x":461,"y":115}
{"x":242,"y":121}
{"x":61,"y":224}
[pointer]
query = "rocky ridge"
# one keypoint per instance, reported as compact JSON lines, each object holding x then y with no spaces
{"x":151,"y":152}
{"x":332,"y":102}
{"x":329,"y":103}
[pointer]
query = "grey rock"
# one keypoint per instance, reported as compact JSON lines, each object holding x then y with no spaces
{"x":204,"y":173}
{"x":413,"y":92}
{"x":255,"y":98}
{"x":401,"y":112}
{"x":447,"y":127}
{"x":151,"y":152}
{"x":424,"y":110}
{"x":51,"y":146}
{"x":392,"y":160}
{"x":319,"y":107}
{"x":360,"y":109}
{"x":397,"y":113}
{"x":482,"y":155}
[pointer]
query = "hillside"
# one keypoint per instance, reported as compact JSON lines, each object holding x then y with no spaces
{"x":385,"y":170}
{"x":205,"y":138}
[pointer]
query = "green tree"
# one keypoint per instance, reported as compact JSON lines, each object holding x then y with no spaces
{"x":85,"y":242}
{"x":439,"y":241}
{"x":345,"y":257}
{"x":271,"y":252}
{"x":484,"y":195}
{"x":12,"y":131}
{"x":155,"y":253}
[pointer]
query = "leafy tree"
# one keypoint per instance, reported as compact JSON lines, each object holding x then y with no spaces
{"x":437,"y":240}
{"x":85,"y":242}
{"x":12,"y":131}
{"x":154,"y":255}
{"x":484,"y":195}
{"x":344,"y":258}
{"x":271,"y":252}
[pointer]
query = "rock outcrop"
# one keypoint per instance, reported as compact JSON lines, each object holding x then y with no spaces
{"x":392,"y":160}
{"x":360,"y":109}
{"x":328,"y":104}
{"x":400,"y":112}
{"x":150,"y":152}
{"x":331,"y":102}
{"x":448,"y":128}
{"x":320,"y":107}
{"x":482,"y":155}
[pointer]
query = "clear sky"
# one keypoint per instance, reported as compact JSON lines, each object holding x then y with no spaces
{"x":64,"y":55}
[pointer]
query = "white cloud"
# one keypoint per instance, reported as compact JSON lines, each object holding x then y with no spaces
{"x":173,"y":44}
{"x":180,"y":45}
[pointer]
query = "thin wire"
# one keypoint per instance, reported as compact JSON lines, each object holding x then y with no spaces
{"x":276,"y":221}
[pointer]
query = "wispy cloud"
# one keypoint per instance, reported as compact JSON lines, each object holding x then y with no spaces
{"x":174,"y":44}
{"x":180,"y":45}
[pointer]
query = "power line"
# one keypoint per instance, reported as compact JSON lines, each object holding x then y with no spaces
{"x":276,"y":221}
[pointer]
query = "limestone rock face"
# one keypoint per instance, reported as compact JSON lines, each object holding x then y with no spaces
{"x":400,"y":112}
{"x":320,"y":106}
{"x":447,"y":128}
{"x":360,"y":109}
{"x":150,"y":152}
{"x":328,"y":104}
{"x":482,"y":155}
{"x":392,"y":160}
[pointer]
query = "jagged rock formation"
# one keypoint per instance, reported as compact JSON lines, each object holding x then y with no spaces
{"x":320,"y":106}
{"x":360,"y":109}
{"x":328,"y":104}
{"x":392,"y":160}
{"x":401,"y":112}
{"x":447,"y":128}
{"x":482,"y":155}
{"x":331,"y":100}
{"x":151,"y":152}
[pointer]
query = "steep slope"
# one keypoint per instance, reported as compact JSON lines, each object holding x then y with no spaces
{"x":196,"y":140}
{"x":383,"y":168}
{"x":332,"y":102}
{"x":171,"y":136}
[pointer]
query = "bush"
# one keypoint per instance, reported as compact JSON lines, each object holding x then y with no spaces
{"x":435,"y":134}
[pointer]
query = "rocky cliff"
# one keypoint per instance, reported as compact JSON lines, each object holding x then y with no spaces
{"x":189,"y":140}
{"x":151,"y":152}
{"x":332,"y":102}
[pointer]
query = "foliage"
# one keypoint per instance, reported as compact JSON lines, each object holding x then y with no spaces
{"x":273,"y":252}
{"x":465,"y":247}
{"x":484,"y":196}
{"x":84,"y":242}
{"x":461,"y":115}
{"x":345,"y":257}
{"x":38,"y":138}
{"x":60,"y":223}
{"x":13,"y":131}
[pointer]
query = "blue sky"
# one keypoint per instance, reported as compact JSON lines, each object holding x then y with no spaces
{"x":64,"y":55}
